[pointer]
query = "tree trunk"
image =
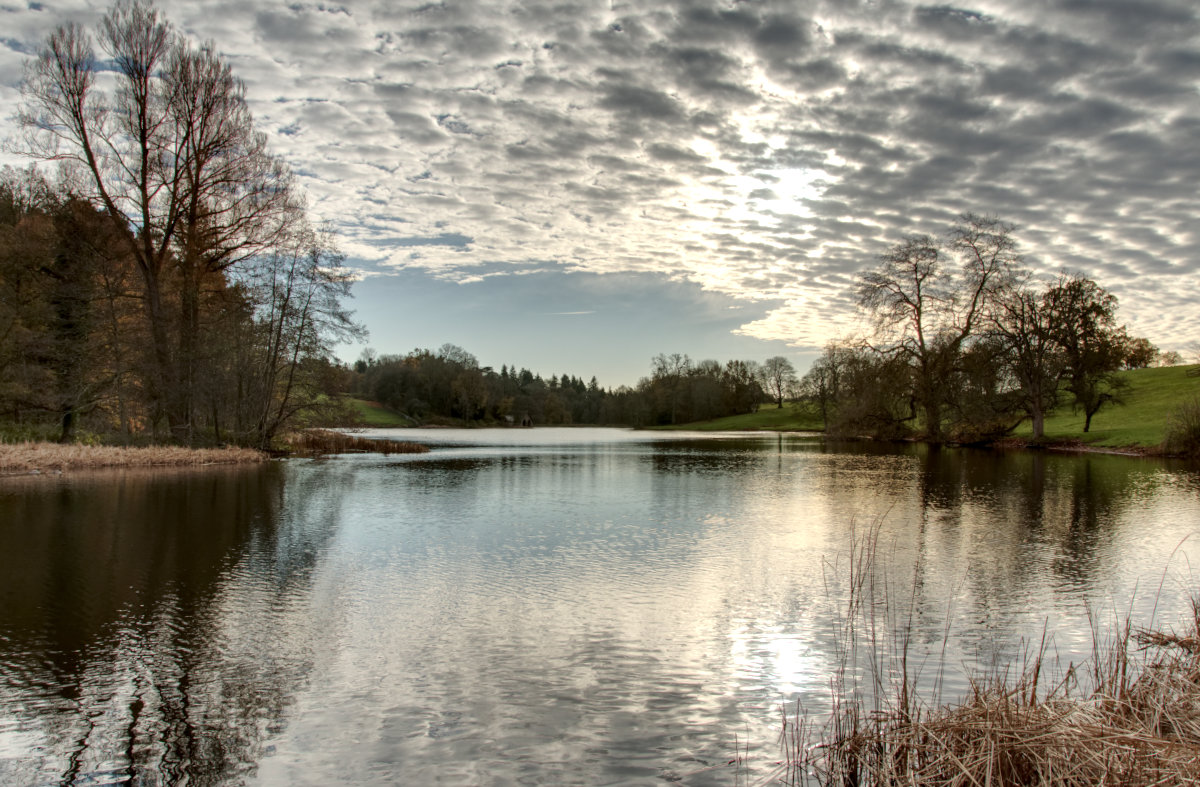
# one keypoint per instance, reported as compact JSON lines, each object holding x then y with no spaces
{"x":932,"y":408}
{"x":189,"y":330}
{"x":68,"y":426}
{"x":1039,"y":423}
{"x":164,"y":385}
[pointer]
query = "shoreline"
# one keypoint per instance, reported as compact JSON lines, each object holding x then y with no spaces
{"x":1080,"y":447}
{"x":30,"y":458}
{"x":37,"y":458}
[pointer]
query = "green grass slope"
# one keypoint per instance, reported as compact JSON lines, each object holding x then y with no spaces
{"x":375,"y":415}
{"x":793,"y":416}
{"x":1141,"y":421}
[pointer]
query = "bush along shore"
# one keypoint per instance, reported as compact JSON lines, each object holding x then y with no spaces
{"x":31,"y":458}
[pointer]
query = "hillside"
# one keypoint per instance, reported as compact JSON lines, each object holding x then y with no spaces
{"x":376,"y":415}
{"x":1140,"y":422}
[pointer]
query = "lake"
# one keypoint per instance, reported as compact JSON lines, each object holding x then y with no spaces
{"x":543,"y":607}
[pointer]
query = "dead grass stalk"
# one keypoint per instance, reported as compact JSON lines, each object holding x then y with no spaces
{"x":34,"y":457}
{"x":1135,"y":722}
{"x":315,"y":442}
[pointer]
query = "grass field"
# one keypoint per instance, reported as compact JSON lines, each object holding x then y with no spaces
{"x":1141,"y":421}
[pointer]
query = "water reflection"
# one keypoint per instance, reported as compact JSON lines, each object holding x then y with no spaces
{"x":146,"y":628}
{"x":580,"y":610}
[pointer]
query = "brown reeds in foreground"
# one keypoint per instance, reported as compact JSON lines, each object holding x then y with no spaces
{"x":24,"y":458}
{"x":312,"y":442}
{"x":1128,"y":716}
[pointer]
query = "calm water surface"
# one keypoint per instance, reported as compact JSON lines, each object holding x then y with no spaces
{"x":548,"y":606}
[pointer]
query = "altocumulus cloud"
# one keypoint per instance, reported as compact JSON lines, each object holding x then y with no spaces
{"x":767,"y":151}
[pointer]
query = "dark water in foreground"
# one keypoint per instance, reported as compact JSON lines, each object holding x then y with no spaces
{"x":536,"y":607}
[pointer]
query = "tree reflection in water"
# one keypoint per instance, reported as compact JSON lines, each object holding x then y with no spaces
{"x":149,"y":627}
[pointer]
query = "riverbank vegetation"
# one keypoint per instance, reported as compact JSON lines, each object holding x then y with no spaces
{"x":33,"y":457}
{"x":1137,"y":722}
{"x":316,"y":442}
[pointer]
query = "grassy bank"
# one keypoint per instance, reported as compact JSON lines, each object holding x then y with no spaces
{"x":792,"y":417}
{"x":34,"y":457}
{"x":1152,"y":396}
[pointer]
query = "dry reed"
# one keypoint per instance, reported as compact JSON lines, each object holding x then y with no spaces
{"x":1136,"y":722}
{"x":314,"y":442}
{"x":30,"y":457}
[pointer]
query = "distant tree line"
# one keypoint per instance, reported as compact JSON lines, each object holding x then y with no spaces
{"x":169,"y":282}
{"x":426,"y":385}
{"x":965,"y":344}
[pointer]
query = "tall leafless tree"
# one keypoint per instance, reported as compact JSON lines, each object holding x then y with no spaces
{"x":928,"y":297}
{"x":779,"y":378}
{"x":171,"y":155}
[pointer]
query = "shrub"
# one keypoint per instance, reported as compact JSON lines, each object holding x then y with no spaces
{"x":1183,"y":429}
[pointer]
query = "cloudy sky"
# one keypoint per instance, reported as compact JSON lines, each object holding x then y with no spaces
{"x":575,"y":187}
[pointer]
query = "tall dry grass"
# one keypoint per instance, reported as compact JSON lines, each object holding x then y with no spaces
{"x":1128,"y":716}
{"x":314,"y":442}
{"x":34,"y":457}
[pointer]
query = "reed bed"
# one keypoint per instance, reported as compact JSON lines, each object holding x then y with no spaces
{"x":1130,"y":715}
{"x":36,"y":457}
{"x":315,"y":442}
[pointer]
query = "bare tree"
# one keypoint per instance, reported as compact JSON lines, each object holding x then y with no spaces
{"x":668,"y":373}
{"x":171,"y":156}
{"x":925,"y":309}
{"x":823,"y":382}
{"x":297,"y":293}
{"x":779,"y":378}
